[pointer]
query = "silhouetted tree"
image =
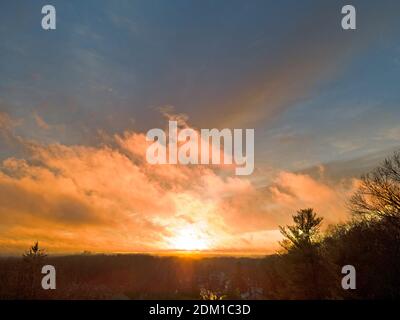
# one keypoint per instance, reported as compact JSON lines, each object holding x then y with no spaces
{"x":378,"y":196}
{"x":303,"y":233}
{"x":34,"y":255}
{"x":32,"y":263}
{"x":302,"y":247}
{"x":376,"y":207}
{"x":372,"y":251}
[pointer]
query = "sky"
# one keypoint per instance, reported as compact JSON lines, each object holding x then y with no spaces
{"x":76,"y":103}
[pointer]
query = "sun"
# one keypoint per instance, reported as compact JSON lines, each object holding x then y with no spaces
{"x":189,"y":239}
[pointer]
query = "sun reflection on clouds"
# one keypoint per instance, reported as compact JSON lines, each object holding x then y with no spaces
{"x":193,"y":226}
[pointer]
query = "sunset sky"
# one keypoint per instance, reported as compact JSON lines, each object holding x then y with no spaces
{"x":76,"y":103}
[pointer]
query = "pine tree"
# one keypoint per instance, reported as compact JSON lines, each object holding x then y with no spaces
{"x":303,"y":251}
{"x":30,"y":273}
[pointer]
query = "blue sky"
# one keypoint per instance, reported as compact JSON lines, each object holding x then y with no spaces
{"x":314,"y":92}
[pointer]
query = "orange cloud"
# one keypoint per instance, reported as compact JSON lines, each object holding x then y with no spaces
{"x":108,"y":198}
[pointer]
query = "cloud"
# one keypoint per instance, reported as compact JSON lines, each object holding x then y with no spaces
{"x":313,"y":52}
{"x":108,"y":198}
{"x":8,"y":137}
{"x":40,"y":122}
{"x":392,"y":133}
{"x":7,"y":123}
{"x":296,"y":190}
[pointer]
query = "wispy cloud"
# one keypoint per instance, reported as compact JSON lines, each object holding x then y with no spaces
{"x":314,"y":52}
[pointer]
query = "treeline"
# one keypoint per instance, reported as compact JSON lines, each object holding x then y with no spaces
{"x":309,"y":265}
{"x":132,"y":276}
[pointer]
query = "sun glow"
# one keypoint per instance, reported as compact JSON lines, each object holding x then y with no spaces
{"x":189,"y":239}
